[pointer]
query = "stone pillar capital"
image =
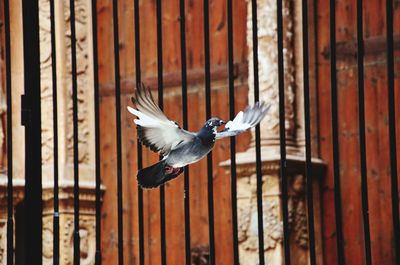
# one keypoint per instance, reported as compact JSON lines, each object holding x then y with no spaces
{"x":270,"y":163}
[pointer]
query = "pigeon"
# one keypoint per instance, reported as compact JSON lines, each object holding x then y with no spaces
{"x":179,"y":147}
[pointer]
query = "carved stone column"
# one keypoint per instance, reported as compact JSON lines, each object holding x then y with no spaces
{"x":268,"y":72}
{"x":272,"y":203}
{"x":272,"y":208}
{"x":65,"y":130}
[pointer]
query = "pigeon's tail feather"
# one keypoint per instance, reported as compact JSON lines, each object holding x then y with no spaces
{"x":157,"y":174}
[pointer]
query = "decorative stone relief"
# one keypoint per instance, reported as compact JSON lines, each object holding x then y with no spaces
{"x":87,"y":240}
{"x":268,"y":67}
{"x":82,"y":57}
{"x":3,"y":243}
{"x":46,"y":82}
{"x":272,"y":225}
{"x":272,"y":220}
{"x":297,"y":211}
{"x":47,"y":234}
{"x":273,"y":231}
{"x":84,"y":78}
{"x":64,"y":88}
{"x":65,"y":129}
{"x":87,"y":223}
{"x":248,"y":219}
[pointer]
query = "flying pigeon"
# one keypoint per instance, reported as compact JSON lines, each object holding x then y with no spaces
{"x":179,"y":147}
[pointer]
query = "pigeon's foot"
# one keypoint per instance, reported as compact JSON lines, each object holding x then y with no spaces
{"x":171,"y":170}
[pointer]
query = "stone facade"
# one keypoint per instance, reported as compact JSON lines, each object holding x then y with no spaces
{"x":65,"y":131}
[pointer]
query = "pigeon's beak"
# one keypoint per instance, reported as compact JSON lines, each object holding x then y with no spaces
{"x":222,"y":122}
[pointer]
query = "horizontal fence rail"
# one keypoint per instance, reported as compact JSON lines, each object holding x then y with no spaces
{"x":140,"y":242}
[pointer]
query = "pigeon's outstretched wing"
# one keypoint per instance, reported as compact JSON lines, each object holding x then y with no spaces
{"x":155,"y":130}
{"x":244,"y":120}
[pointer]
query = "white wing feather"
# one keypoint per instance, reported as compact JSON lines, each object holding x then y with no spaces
{"x":244,"y":120}
{"x":155,"y":130}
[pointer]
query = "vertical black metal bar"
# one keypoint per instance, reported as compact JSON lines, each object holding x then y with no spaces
{"x":139,"y":145}
{"x":392,"y":129}
{"x":161,"y":104}
{"x":185,"y":126}
{"x":75,"y":132}
{"x":307,"y":127}
{"x":56,"y":214}
{"x":335,"y":136}
{"x":10,"y":208}
{"x":98,"y":255}
{"x":118,"y":133}
{"x":258,"y":137}
{"x":98,"y":258}
{"x":361,"y":121}
{"x":207,"y":83}
{"x":31,"y":119}
{"x":231,"y":85}
{"x":316,"y":78}
{"x":282,"y":132}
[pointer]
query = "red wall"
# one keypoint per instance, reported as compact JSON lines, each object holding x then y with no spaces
{"x":376,"y":130}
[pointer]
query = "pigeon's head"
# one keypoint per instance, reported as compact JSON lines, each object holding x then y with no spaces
{"x":214,"y":122}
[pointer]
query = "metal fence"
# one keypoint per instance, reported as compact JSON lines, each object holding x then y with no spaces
{"x":31,"y":119}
